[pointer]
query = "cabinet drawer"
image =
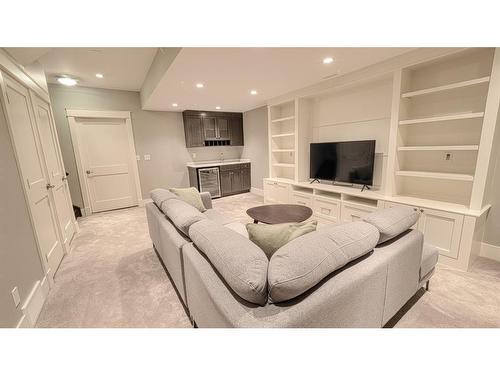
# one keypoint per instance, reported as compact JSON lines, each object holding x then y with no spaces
{"x":329,"y":209}
{"x":301,"y":198}
{"x":353,"y":211}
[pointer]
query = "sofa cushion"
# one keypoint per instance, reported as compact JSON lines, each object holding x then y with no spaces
{"x":190,"y":195}
{"x":161,"y":195}
{"x":270,"y":237}
{"x":392,"y":221}
{"x":430,"y":257}
{"x":305,"y":261}
{"x":217,"y":216}
{"x":239,"y":261}
{"x":182,"y":214}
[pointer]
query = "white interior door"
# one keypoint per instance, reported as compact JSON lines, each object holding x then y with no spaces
{"x":105,"y":146}
{"x":30,"y":159}
{"x":55,"y":169}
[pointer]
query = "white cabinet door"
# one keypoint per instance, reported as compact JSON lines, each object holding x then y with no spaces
{"x":32,"y":167}
{"x":55,"y":169}
{"x":275,"y":192}
{"x":442,"y":230}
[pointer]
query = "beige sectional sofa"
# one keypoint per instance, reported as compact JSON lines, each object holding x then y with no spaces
{"x":366,"y":292}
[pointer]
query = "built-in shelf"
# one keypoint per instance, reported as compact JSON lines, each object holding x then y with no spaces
{"x":461,"y":116}
{"x":440,"y":148}
{"x":284,"y":165}
{"x":283,"y":135}
{"x":283,"y":119}
{"x":284,"y":150}
{"x":436,"y":175}
{"x":457,"y":85}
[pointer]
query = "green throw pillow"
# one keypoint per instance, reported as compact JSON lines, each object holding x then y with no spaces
{"x":271,"y":237}
{"x":190,"y":195}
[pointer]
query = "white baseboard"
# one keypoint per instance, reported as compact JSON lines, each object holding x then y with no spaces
{"x":86,"y":211}
{"x":490,"y":251}
{"x":257,"y":191}
{"x":34,"y":303}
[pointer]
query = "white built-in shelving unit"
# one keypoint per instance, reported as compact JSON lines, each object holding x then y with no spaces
{"x":283,"y":140}
{"x":440,"y":119}
{"x":434,"y":114}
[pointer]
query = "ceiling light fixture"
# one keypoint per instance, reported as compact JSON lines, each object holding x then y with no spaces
{"x":217,"y":107}
{"x":200,"y":85}
{"x":67,"y":81}
{"x":253,"y":92}
{"x":327,"y":60}
{"x":99,"y":75}
{"x":175,"y":105}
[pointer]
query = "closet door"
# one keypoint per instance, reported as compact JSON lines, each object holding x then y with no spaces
{"x":55,"y":169}
{"x":25,"y":138}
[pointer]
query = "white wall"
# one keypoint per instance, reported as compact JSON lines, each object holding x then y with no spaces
{"x":256,"y":144}
{"x":357,"y":113}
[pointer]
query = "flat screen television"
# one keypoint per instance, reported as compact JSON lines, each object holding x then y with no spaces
{"x":349,"y":162}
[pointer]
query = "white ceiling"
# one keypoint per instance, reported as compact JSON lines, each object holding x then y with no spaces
{"x":229,"y":74}
{"x":123,"y":68}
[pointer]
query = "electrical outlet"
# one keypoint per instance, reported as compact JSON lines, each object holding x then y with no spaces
{"x":15,"y":296}
{"x":447,"y":156}
{"x":138,"y":157}
{"x":147,"y":157}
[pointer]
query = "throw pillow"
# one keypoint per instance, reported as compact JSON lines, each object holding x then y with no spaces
{"x":393,"y":221}
{"x":190,"y":195}
{"x":270,"y":237}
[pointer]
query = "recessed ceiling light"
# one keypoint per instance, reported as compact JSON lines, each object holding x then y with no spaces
{"x":327,"y":60}
{"x":175,"y":105}
{"x":253,"y":92}
{"x":199,"y":85}
{"x":99,"y":75}
{"x":67,"y":81}
{"x":217,"y":107}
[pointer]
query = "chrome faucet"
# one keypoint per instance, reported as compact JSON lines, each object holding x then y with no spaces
{"x":222,"y":157}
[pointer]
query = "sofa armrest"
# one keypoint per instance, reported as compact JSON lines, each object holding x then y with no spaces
{"x":206,"y":199}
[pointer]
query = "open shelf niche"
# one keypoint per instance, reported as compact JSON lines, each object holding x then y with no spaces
{"x":442,"y":105}
{"x":287,"y":139}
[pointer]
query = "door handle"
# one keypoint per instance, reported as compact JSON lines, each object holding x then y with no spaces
{"x":88,"y":171}
{"x":49,"y":186}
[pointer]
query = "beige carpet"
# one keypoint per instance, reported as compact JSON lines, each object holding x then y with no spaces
{"x":113,"y":278}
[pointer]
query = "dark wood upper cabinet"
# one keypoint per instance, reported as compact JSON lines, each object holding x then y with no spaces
{"x":193,"y":131}
{"x":222,"y":128}
{"x":236,"y":131}
{"x":209,"y":127}
{"x":204,"y":128}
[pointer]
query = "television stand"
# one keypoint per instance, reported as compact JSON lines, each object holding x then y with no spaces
{"x":365,"y":187}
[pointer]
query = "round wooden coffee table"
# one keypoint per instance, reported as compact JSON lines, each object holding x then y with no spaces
{"x":279,"y":213}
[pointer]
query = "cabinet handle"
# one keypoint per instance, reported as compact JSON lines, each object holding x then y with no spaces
{"x":421,"y":210}
{"x":415,"y":209}
{"x":49,"y":186}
